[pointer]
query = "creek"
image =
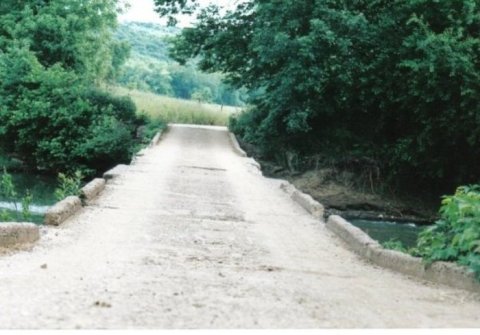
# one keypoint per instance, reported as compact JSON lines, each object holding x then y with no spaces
{"x":42,"y":189}
{"x":383,"y":231}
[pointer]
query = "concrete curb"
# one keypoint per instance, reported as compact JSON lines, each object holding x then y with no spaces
{"x":255,"y":164}
{"x":239,"y":151}
{"x":115,"y":172}
{"x":141,"y":152}
{"x":312,"y":206}
{"x":358,"y":241}
{"x":236,"y":146}
{"x":138,"y":155}
{"x":92,"y":189}
{"x":444,"y":273}
{"x":287,"y":187}
{"x":62,"y":210}
{"x":156,"y":139}
{"x":307,"y":202}
{"x":15,"y":233}
{"x":355,"y":237}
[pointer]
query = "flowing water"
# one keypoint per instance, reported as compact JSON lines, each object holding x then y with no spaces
{"x":384,"y":231}
{"x":42,"y":189}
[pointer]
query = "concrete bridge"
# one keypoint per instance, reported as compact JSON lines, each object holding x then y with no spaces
{"x":192,"y":235}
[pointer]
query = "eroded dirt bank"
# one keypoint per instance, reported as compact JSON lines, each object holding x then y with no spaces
{"x":193,"y":236}
{"x":353,"y":196}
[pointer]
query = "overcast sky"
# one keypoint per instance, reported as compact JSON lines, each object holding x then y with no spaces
{"x":143,"y":11}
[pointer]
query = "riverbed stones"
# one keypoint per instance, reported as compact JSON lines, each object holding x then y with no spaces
{"x":62,"y":210}
{"x":16,"y":233}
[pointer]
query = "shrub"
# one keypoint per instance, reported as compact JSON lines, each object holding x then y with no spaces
{"x":152,"y":126}
{"x":394,"y":244}
{"x":52,"y":121}
{"x":456,"y":236}
{"x":121,"y":107}
{"x":108,"y":141}
{"x":68,"y":185}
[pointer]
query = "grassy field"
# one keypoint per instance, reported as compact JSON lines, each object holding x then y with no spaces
{"x":172,"y":110}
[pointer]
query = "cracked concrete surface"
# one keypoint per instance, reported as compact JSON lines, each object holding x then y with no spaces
{"x":192,"y":236}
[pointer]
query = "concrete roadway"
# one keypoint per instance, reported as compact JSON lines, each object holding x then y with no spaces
{"x":193,"y":236}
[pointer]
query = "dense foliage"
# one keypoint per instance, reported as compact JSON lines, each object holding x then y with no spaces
{"x":393,"y":82}
{"x":52,"y":56}
{"x":150,"y":67}
{"x":68,"y":185}
{"x":456,"y":236}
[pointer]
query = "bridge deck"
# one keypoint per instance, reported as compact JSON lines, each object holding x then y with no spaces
{"x":193,"y":236}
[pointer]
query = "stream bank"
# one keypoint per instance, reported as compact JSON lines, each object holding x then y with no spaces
{"x":346,"y":200}
{"x":337,"y":191}
{"x":384,"y":217}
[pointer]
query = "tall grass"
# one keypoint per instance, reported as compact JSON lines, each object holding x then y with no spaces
{"x":173,"y":110}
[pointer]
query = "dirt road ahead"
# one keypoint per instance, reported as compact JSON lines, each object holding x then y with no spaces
{"x":193,"y":236}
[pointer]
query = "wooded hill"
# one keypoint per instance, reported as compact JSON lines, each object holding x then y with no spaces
{"x":150,"y":67}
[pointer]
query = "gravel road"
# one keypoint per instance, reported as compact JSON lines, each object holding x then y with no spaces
{"x":193,"y":236}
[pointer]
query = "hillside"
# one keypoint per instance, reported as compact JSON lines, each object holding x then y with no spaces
{"x":147,"y":40}
{"x":150,"y":68}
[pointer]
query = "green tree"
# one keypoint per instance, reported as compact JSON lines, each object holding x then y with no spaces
{"x":202,"y":95}
{"x":76,"y":34}
{"x":51,"y":55}
{"x":150,"y":67}
{"x":393,"y":81}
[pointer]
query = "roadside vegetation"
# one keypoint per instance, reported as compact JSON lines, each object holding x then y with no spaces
{"x":53,"y":116}
{"x":382,"y":85}
{"x":56,"y":115}
{"x":385,"y":90}
{"x":455,"y":237}
{"x":68,"y":185}
{"x":174,"y":110}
